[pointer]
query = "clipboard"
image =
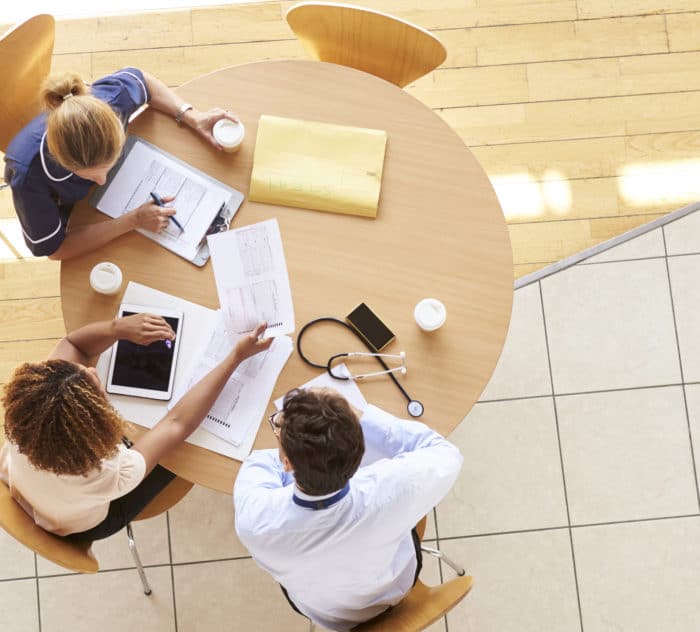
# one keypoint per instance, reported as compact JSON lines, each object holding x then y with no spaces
{"x":205,"y":205}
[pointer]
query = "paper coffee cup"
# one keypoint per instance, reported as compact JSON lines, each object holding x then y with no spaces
{"x":106,"y":278}
{"x":430,"y":314}
{"x":229,"y":134}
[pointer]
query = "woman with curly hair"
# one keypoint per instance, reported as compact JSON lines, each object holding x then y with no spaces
{"x":65,"y":459}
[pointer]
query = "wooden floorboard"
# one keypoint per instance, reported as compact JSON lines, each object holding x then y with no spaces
{"x":584,"y":113}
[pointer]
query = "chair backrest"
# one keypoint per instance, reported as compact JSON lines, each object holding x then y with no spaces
{"x":368,"y":40}
{"x":13,"y":519}
{"x":25,"y":60}
{"x":173,"y":493}
{"x":421,"y":607}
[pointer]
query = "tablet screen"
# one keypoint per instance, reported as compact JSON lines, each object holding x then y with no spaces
{"x":145,"y":367}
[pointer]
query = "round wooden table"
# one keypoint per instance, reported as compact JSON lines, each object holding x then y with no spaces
{"x":439,"y":233}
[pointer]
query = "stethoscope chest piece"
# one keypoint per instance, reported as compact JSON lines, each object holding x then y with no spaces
{"x":415,"y":408}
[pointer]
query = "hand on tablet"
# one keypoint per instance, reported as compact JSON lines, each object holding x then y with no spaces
{"x":143,"y":329}
{"x":251,"y":343}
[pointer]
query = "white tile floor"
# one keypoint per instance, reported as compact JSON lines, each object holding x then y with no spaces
{"x":577,"y":509}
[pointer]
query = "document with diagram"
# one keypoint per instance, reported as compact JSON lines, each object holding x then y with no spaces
{"x":236,"y":414}
{"x":144,"y":169}
{"x":252,"y":279}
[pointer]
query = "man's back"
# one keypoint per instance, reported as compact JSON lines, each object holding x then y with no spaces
{"x":345,"y":557}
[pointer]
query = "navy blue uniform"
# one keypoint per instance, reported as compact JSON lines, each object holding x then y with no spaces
{"x":43,"y":191}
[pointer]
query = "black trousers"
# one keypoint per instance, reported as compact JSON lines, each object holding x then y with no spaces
{"x":123,"y":510}
{"x":419,"y":567}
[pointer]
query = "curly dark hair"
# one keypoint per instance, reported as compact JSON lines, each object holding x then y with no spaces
{"x":322,"y":438}
{"x":59,"y":419}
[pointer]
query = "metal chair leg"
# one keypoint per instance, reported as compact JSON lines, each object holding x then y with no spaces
{"x":137,"y":560}
{"x":441,"y":556}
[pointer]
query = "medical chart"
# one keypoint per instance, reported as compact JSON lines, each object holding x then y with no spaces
{"x":252,"y":280}
{"x":145,"y":169}
{"x":239,"y":409}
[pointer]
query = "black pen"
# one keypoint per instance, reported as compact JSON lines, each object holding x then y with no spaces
{"x":159,"y":202}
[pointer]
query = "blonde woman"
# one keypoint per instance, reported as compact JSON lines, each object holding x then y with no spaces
{"x":64,"y":459}
{"x":55,"y":159}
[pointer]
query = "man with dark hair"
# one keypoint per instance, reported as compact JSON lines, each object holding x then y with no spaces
{"x":330,"y":515}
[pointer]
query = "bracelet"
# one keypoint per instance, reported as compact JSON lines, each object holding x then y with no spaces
{"x":181,"y":112}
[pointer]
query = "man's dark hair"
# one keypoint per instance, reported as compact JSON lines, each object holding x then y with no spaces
{"x":322,"y":438}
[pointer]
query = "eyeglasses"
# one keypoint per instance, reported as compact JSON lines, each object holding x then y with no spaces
{"x":273,"y":422}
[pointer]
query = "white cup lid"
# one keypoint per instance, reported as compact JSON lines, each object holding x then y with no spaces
{"x":228,"y":133}
{"x":105,"y":276}
{"x":430,"y":313}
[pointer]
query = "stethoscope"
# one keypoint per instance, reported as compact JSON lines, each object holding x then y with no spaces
{"x":414,"y":407}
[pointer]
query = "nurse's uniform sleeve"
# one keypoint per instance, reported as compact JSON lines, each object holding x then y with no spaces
{"x":41,"y":223}
{"x":124,"y":90}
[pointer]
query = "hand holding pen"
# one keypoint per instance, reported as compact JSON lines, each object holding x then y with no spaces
{"x":161,"y":202}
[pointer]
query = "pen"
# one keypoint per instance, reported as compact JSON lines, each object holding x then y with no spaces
{"x":159,"y":202}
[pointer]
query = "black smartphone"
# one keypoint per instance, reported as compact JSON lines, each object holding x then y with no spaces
{"x":370,"y":327}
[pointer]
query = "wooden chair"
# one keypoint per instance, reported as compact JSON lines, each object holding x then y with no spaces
{"x":424,"y":605}
{"x":78,"y":556}
{"x":368,"y":40}
{"x":25,"y":60}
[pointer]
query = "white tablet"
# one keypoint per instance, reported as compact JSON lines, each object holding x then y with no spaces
{"x":145,"y":370}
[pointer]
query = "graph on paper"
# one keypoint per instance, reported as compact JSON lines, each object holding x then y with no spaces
{"x":251,"y":278}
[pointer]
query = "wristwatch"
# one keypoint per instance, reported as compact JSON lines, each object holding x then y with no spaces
{"x":181,"y":112}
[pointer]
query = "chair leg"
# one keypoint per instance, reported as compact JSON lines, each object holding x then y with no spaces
{"x":441,"y":556}
{"x":137,"y":560}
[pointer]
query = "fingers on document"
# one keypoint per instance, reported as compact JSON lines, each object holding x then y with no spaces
{"x":260,"y":329}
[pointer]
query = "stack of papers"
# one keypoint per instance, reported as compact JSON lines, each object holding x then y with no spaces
{"x":237,"y":412}
{"x":252,"y":280}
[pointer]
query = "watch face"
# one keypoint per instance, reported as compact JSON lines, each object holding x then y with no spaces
{"x":415,"y":408}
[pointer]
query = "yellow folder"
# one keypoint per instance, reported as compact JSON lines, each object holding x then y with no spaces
{"x":318,"y":166}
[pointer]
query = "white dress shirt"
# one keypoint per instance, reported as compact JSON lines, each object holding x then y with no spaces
{"x":348,"y":562}
{"x":63,"y":503}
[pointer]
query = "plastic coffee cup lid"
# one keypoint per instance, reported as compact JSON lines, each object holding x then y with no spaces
{"x":227,"y":133}
{"x":430,"y":314}
{"x":106,"y":277}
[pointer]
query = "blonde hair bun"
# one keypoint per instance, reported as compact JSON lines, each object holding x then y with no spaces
{"x":56,"y":89}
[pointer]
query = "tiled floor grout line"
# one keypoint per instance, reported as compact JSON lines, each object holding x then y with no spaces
{"x":680,"y":365}
{"x":172,"y":570}
{"x":584,"y":525}
{"x":561,"y":454}
{"x":678,"y":255}
{"x":593,"y":392}
{"x":133,"y":568}
{"x":38,"y":598}
{"x":17,"y":579}
{"x":439,"y":563}
{"x":613,"y":523}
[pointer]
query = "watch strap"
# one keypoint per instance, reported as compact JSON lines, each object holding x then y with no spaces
{"x":181,"y":112}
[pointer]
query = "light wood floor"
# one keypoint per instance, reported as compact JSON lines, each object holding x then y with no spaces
{"x":584,"y":113}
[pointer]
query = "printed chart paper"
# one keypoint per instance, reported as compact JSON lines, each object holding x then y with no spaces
{"x":198,"y":198}
{"x":252,"y":280}
{"x":236,"y":414}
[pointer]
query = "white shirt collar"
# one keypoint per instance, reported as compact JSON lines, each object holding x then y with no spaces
{"x":304,"y":496}
{"x":43,"y":163}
